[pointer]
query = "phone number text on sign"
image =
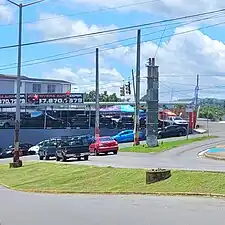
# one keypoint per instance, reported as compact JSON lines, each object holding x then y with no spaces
{"x":60,"y":99}
{"x":11,"y":99}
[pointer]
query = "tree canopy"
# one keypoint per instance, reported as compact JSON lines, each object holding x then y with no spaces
{"x":103,"y":97}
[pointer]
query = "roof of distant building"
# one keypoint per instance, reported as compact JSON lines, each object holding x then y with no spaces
{"x":13,"y":77}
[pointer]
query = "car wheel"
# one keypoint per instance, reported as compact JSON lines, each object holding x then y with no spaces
{"x":47,"y":157}
{"x":96,"y":152}
{"x":86,"y":157}
{"x":41,"y":157}
{"x":57,"y":158}
{"x":115,"y":152}
{"x":180,"y":133}
{"x":64,"y":159}
{"x":159,"y":136}
{"x":78,"y":158}
{"x":6,"y":125}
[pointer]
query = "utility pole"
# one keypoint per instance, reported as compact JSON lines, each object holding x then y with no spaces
{"x":152,"y":103}
{"x":134,"y":90}
{"x":196,"y":105}
{"x":137,"y":95}
{"x":196,"y":90}
{"x":97,"y":132}
{"x":16,"y":155}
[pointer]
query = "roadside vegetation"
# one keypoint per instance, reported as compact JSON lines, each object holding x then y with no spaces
{"x":164,"y":146}
{"x":64,"y":178}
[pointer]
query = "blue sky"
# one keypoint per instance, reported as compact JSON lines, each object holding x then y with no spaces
{"x":182,"y":55}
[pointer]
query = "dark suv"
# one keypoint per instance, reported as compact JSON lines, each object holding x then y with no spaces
{"x":48,"y":148}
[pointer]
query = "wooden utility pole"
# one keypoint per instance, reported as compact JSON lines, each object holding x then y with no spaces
{"x":137,"y":91}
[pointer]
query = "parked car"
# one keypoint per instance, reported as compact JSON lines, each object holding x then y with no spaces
{"x":6,"y":120}
{"x":23,"y":147}
{"x":128,"y":136}
{"x":164,"y":123}
{"x":76,"y":147}
{"x":125,"y":122}
{"x":5,"y":153}
{"x":177,"y":120}
{"x":38,"y":122}
{"x":47,"y":149}
{"x":104,"y":145}
{"x":172,"y":131}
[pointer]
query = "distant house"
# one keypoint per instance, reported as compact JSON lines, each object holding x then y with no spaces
{"x":32,"y":85}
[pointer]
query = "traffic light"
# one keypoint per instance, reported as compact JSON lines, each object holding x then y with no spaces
{"x":122,"y":91}
{"x":68,"y":97}
{"x":128,"y":89}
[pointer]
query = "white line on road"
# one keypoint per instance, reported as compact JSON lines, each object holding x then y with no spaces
{"x":201,"y":154}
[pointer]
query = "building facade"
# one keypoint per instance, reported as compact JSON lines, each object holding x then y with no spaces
{"x":8,"y":85}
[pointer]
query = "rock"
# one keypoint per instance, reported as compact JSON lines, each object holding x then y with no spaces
{"x":16,"y":164}
{"x":156,"y":175}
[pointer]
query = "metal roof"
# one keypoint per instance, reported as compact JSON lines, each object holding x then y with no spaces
{"x":14,"y":77}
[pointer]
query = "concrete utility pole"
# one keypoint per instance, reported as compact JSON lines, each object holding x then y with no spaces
{"x":133,"y":79}
{"x":196,"y":91}
{"x":16,"y":157}
{"x":152,"y":103}
{"x":97,"y":132}
{"x":137,"y":94}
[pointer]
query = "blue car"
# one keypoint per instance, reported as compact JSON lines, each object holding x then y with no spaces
{"x":128,"y":136}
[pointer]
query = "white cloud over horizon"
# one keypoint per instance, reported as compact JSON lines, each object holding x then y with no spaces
{"x":6,"y":13}
{"x":63,"y":26}
{"x":186,"y":54}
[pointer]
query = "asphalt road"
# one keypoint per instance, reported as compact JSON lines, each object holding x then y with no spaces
{"x":36,"y":209}
{"x":184,"y":157}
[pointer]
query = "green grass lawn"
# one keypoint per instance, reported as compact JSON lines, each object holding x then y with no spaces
{"x":64,"y":178}
{"x":163,"y":146}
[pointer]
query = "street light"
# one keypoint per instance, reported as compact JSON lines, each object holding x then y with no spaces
{"x":16,"y":156}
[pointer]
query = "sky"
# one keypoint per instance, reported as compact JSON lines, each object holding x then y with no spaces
{"x":182,"y":48}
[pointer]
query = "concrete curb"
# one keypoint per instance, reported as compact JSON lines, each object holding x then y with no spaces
{"x":213,"y":156}
{"x":187,"y":194}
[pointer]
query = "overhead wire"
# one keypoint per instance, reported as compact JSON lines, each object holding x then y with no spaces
{"x":85,"y":12}
{"x":117,"y":41}
{"x":103,"y":50}
{"x":110,"y":31}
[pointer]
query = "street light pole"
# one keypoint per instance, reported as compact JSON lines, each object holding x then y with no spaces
{"x":16,"y":158}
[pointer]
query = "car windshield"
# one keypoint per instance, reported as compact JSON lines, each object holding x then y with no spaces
{"x":104,"y":139}
{"x":177,"y":118}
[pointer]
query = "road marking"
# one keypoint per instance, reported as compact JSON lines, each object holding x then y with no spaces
{"x":201,"y":154}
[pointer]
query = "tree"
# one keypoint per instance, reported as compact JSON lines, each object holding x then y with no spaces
{"x":103,"y":97}
{"x":211,"y":112}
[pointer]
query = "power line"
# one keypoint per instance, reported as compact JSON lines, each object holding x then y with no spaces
{"x":109,"y":43}
{"x":73,"y":56}
{"x":85,"y":12}
{"x":112,"y":30}
{"x":160,"y":41}
{"x":192,"y":75}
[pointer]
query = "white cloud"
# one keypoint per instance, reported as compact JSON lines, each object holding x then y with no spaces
{"x":62,"y":27}
{"x":183,"y":55}
{"x":84,"y":78}
{"x":158,"y":7}
{"x":6,"y":14}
